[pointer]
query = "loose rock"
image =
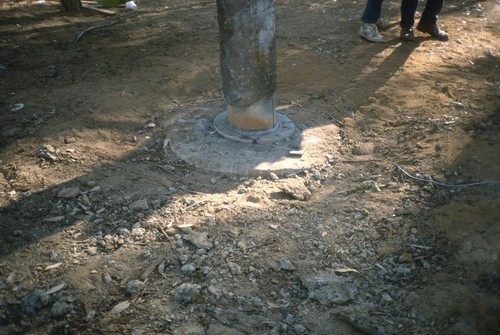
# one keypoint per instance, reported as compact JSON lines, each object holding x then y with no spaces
{"x":69,"y":192}
{"x":328,"y":288}
{"x":34,"y":301}
{"x":199,"y":239}
{"x":285,"y":264}
{"x":135,"y":286}
{"x":188,"y":268}
{"x":296,"y":189}
{"x":60,"y":309}
{"x":234,"y":268}
{"x":187,"y":292}
{"x":139,"y":205}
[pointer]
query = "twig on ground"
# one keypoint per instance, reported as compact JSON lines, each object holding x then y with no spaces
{"x":479,"y":183}
{"x":416,"y":246}
{"x":360,"y":160}
{"x":153,"y":266}
{"x":166,"y":235}
{"x":99,"y":10}
{"x":100,"y":26}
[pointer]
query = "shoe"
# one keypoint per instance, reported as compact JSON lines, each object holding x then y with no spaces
{"x":370,"y":32}
{"x":382,"y":23}
{"x":434,"y":32}
{"x":407,"y":35}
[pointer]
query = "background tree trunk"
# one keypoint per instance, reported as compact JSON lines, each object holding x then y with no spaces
{"x":71,"y":5}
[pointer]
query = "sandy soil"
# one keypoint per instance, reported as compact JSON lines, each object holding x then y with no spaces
{"x":105,"y":232}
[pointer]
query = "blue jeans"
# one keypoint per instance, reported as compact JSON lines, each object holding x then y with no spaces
{"x":429,"y":15}
{"x":372,"y":11}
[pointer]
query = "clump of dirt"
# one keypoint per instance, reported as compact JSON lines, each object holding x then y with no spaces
{"x":106,"y":231}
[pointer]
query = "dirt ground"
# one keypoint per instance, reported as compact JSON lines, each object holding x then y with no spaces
{"x":105,"y":231}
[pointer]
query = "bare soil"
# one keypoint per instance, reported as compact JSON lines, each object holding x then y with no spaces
{"x":105,"y":231}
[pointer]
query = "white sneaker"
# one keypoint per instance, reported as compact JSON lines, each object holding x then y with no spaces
{"x":370,"y":32}
{"x":383,"y":23}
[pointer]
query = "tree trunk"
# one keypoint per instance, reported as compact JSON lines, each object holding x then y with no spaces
{"x":71,"y":5}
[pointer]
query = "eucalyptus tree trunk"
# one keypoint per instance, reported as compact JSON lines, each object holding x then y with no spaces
{"x":71,"y":5}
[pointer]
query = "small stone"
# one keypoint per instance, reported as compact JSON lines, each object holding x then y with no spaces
{"x":60,"y":309}
{"x":316,"y":174}
{"x":124,"y":232}
{"x":273,"y":265}
{"x":85,"y":199}
{"x":296,"y":189}
{"x":286,"y":265}
{"x":170,"y":168}
{"x":161,"y":267}
{"x":53,"y":256}
{"x":299,"y":328}
{"x":137,"y":232}
{"x":135,"y":286}
{"x":47,"y":152}
{"x":242,"y":246}
{"x":328,"y":288}
{"x":199,"y":239}
{"x":206,"y":270}
{"x":34,"y":301}
{"x":363,"y":149}
{"x":188,"y":268}
{"x":146,"y":254}
{"x":139,"y":205}
{"x":69,"y":192}
{"x":90,"y":315}
{"x":234,"y":268}
{"x":68,"y":140}
{"x":213,"y":181}
{"x":187,"y":292}
{"x":106,"y":278}
{"x":91,"y":250}
{"x":183,"y":259}
{"x":273,"y":176}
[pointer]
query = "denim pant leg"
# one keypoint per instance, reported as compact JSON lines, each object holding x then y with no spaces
{"x":430,"y":13}
{"x":408,"y":9}
{"x":372,"y":11}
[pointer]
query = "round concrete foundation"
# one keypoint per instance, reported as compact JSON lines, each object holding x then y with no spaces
{"x":203,"y":138}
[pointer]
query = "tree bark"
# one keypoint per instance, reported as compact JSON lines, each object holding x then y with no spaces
{"x":71,"y":5}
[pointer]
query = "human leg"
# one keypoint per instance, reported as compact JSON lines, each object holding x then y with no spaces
{"x":370,"y":18}
{"x":428,"y":21}
{"x":430,"y":13}
{"x":408,"y":9}
{"x":372,"y":11}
